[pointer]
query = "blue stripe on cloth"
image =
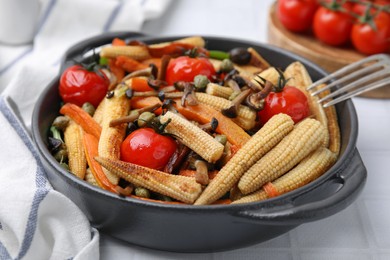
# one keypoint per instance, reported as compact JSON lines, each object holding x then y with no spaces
{"x":40,"y":182}
{"x":112,"y":16}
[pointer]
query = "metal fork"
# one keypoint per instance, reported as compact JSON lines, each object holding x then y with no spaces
{"x":354,"y":79}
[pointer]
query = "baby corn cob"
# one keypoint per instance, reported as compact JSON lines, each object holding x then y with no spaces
{"x":218,"y":90}
{"x":112,"y":137}
{"x":134,"y":52}
{"x":196,"y":41}
{"x":98,"y":115}
{"x":178,"y":187}
{"x":246,"y":117}
{"x":90,"y":178}
{"x":300,"y":78}
{"x":333,"y":125}
{"x":193,"y":137}
{"x":260,"y":143}
{"x":260,"y":61}
{"x":74,"y":142}
{"x":270,"y":74}
{"x":306,"y":137}
{"x":309,"y":169}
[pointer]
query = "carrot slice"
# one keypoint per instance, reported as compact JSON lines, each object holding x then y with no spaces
{"x":140,"y":84}
{"x":82,"y":118}
{"x":91,"y":144}
{"x":118,"y":71}
{"x":129,"y":64}
{"x":140,"y":102}
{"x":270,"y":189}
{"x":118,"y":42}
{"x":155,"y":61}
{"x":204,"y":114}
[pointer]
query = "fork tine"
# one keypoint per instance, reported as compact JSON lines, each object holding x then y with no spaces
{"x":350,"y":76}
{"x":354,"y":84}
{"x":347,"y":68}
{"x":372,"y":86}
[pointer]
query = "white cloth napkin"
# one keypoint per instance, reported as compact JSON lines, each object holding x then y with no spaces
{"x":37,"y":222}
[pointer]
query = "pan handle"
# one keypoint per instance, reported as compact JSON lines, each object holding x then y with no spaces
{"x":345,"y":187}
{"x":76,"y":52}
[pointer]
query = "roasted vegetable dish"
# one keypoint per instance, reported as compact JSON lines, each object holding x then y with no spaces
{"x":175,"y":122}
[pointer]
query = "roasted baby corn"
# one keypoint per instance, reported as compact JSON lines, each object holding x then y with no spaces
{"x":182,"y":188}
{"x":98,"y":115}
{"x":306,"y":137}
{"x":300,"y":78}
{"x":134,"y":52}
{"x":73,"y":137}
{"x":195,"y":41}
{"x":260,"y":143}
{"x":90,"y":178}
{"x":218,"y":90}
{"x":309,"y":169}
{"x":192,"y":136}
{"x":112,"y":137}
{"x":333,"y":125}
{"x":270,"y":74}
{"x":246,"y":116}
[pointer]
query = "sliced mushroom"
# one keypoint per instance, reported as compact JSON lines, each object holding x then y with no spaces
{"x":232,"y":110}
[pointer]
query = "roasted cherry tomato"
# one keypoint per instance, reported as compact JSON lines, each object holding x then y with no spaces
{"x":296,"y":15}
{"x":79,"y":85}
{"x":332,"y":27}
{"x":290,"y":101}
{"x":185,"y":68}
{"x":372,"y":39}
{"x":147,"y":148}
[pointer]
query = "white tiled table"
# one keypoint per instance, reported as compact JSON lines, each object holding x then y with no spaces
{"x":362,"y":231}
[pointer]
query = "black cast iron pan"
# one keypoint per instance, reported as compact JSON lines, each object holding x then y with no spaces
{"x":186,"y":228}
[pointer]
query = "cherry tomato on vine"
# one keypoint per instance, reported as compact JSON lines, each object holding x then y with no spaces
{"x":290,"y":101}
{"x":372,"y":40}
{"x":185,"y":68}
{"x":79,"y":85}
{"x":147,"y":148}
{"x":332,"y":27}
{"x":296,"y":15}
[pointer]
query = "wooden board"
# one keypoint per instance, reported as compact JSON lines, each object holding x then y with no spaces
{"x":328,"y":57}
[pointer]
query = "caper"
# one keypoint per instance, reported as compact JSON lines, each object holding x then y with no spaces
{"x":240,"y":56}
{"x":61,"y":155}
{"x":142,"y":192}
{"x":201,"y":81}
{"x":226,"y":65}
{"x":89,"y":108}
{"x":65,"y":166}
{"x":145,"y":118}
{"x":61,"y":122}
{"x":163,"y":197}
{"x":221,"y":139}
{"x":131,"y":127}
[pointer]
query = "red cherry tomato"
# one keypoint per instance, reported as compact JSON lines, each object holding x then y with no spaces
{"x":79,"y":85}
{"x":290,"y":101}
{"x":147,"y":148}
{"x":332,"y":27}
{"x":186,"y":68}
{"x":360,"y":8}
{"x":296,"y":15}
{"x":369,"y":40}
